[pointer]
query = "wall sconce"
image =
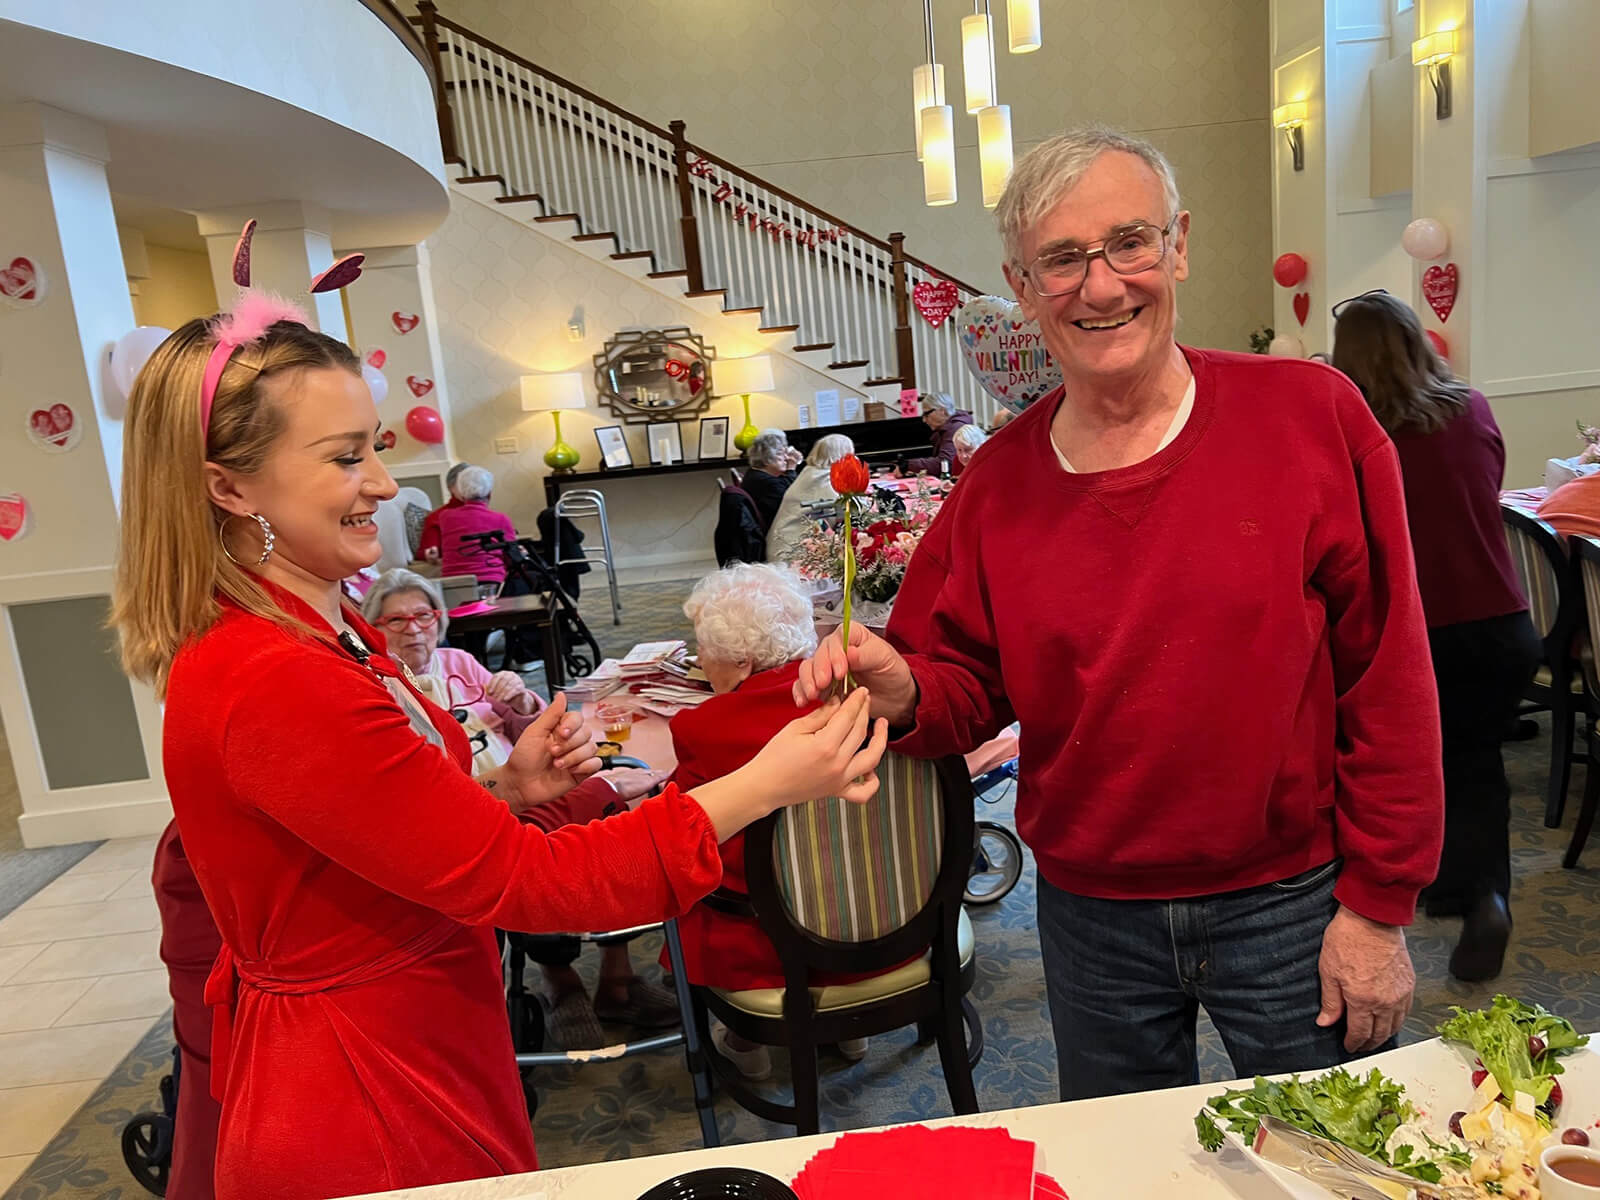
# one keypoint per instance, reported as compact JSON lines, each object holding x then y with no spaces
{"x":1435,"y":52}
{"x":575,"y":328}
{"x":1291,"y":118}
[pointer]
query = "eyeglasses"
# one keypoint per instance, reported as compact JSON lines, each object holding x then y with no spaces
{"x":426,"y":619}
{"x":1344,"y":304}
{"x":1129,"y":250}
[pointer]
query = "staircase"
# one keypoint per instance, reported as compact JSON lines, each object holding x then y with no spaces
{"x":563,"y":160}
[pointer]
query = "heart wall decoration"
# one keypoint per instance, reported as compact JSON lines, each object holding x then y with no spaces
{"x":15,"y":517}
{"x":1439,"y":285}
{"x":1302,"y":306}
{"x":419,"y":387}
{"x":935,"y":301}
{"x":404,"y":323}
{"x":1006,"y":352}
{"x":376,"y":359}
{"x":56,"y":429}
{"x":22,"y":282}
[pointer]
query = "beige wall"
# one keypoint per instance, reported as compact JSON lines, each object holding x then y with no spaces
{"x":178,"y":288}
{"x":816,"y":99}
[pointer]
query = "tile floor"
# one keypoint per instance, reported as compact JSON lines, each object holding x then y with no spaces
{"x":80,"y":984}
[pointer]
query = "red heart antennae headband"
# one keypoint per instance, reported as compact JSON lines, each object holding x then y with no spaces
{"x":255,"y":312}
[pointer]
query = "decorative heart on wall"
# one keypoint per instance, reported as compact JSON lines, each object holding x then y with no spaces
{"x":404,"y":322}
{"x":1006,"y":352}
{"x":21,"y":282}
{"x":386,"y":439}
{"x":419,"y":387}
{"x":935,"y":301}
{"x":376,"y":359}
{"x":55,"y":428}
{"x":1439,"y":289}
{"x":13,"y":516}
{"x":1302,"y":306}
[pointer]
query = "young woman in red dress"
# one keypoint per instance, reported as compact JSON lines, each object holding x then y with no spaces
{"x":354,"y":868}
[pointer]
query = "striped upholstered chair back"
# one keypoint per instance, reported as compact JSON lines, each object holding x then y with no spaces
{"x":1587,"y":553}
{"x":854,"y":872}
{"x":1541,"y":563}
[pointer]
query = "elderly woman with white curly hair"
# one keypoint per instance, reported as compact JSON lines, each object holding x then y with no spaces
{"x":753,"y":626}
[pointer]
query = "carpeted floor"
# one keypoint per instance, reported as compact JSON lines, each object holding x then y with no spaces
{"x":644,"y":1106}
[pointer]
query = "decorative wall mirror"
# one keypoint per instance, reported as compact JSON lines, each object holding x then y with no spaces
{"x":654,"y":374}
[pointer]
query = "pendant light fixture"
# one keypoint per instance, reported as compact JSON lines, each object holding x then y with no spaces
{"x":939,"y":155}
{"x":994,"y":136}
{"x":977,"y":56}
{"x":1022,"y":26}
{"x":927,"y":80}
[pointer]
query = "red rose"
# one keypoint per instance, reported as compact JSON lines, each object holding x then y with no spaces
{"x":849,"y":476}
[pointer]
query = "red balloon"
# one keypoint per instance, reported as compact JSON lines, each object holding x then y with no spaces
{"x":425,"y":424}
{"x":1289,"y":270}
{"x":1440,"y":346}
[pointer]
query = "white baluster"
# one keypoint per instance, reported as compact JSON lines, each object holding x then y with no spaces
{"x":469,"y":104}
{"x":539,"y":121}
{"x":521,"y":115}
{"x":496,"y":115}
{"x":791,"y":268}
{"x":628,"y":163}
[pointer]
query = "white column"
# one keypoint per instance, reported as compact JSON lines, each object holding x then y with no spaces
{"x":391,"y":310}
{"x":291,"y":246}
{"x":84,"y":743}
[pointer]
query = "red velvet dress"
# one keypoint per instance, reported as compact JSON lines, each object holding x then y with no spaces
{"x":356,"y":874}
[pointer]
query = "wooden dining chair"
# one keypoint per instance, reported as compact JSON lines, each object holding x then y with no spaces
{"x":1556,"y":605}
{"x":873,"y":889}
{"x":1586,"y":555}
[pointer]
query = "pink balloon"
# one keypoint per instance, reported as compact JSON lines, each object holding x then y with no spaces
{"x":425,"y":424}
{"x":1425,"y":239}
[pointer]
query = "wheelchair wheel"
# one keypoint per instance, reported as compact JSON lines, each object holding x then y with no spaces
{"x":996,"y":863}
{"x":147,"y":1149}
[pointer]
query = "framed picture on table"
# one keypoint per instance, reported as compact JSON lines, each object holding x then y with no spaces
{"x":614,"y":450}
{"x":713,"y":438}
{"x":665,"y":439}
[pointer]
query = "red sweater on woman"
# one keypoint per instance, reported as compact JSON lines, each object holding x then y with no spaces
{"x":1217,"y":655}
{"x":1452,"y":480}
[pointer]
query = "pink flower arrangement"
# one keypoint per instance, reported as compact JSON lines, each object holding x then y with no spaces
{"x":883,"y":547}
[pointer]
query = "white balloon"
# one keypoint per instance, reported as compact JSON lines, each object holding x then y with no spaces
{"x":1425,"y":238}
{"x":375,"y":381}
{"x":1286,"y":345}
{"x":132,"y":351}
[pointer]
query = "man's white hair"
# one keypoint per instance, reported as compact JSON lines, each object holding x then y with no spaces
{"x":756,"y":613}
{"x":475,"y":483}
{"x":1052,"y":168}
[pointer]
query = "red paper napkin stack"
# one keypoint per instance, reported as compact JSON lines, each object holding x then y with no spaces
{"x":913,"y":1162}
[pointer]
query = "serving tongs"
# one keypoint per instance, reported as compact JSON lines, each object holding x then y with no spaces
{"x":1346,"y":1173}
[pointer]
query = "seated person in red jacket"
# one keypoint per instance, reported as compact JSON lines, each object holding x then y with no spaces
{"x":753,"y":625}
{"x":456,"y":555}
{"x":430,"y":524}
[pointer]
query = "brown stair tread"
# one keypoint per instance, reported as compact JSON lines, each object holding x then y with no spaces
{"x":880,"y":382}
{"x":709,"y":292}
{"x":593,"y":237}
{"x":777,"y":329}
{"x":854,"y":362}
{"x":557,"y":217}
{"x":635,"y":254}
{"x":816,"y":346}
{"x":756,"y":308}
{"x":518,"y":199}
{"x":500,"y":179}
{"x":678,"y":274}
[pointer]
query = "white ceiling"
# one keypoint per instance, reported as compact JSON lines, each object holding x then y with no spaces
{"x":185,"y":142}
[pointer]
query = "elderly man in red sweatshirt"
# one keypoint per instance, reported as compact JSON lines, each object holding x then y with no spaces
{"x":1188,"y":574}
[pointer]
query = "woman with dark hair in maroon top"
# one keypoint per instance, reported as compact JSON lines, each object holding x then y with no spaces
{"x":1484,"y":646}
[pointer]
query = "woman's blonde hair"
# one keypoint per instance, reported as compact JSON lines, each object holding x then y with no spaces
{"x":171,"y":572}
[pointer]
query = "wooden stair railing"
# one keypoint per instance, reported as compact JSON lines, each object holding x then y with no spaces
{"x":698,"y":217}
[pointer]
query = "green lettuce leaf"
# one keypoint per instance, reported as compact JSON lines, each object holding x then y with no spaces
{"x":1499,"y":1036}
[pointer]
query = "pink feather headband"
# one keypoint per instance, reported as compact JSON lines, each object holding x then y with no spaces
{"x":256,"y":312}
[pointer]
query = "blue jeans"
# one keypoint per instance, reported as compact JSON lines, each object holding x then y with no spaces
{"x":1126,"y":979}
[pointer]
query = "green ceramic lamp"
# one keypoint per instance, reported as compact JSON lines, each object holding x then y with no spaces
{"x":740,"y":377}
{"x":554,"y":394}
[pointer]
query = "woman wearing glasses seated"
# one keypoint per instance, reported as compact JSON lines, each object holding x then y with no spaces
{"x":499,"y":706}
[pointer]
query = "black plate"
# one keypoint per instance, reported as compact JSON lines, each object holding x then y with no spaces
{"x":721,"y":1183}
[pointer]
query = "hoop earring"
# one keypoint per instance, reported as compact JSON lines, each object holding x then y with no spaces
{"x":268,"y":538}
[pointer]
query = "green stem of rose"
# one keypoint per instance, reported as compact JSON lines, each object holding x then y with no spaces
{"x":849,"y":586}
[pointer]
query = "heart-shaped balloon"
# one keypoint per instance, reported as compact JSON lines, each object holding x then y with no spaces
{"x":1006,"y":352}
{"x":376,"y":359}
{"x":21,"y":282}
{"x":419,"y":387}
{"x":935,"y":301}
{"x":1439,"y":289}
{"x":1302,"y":306}
{"x":404,"y":322}
{"x":13,"y":516}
